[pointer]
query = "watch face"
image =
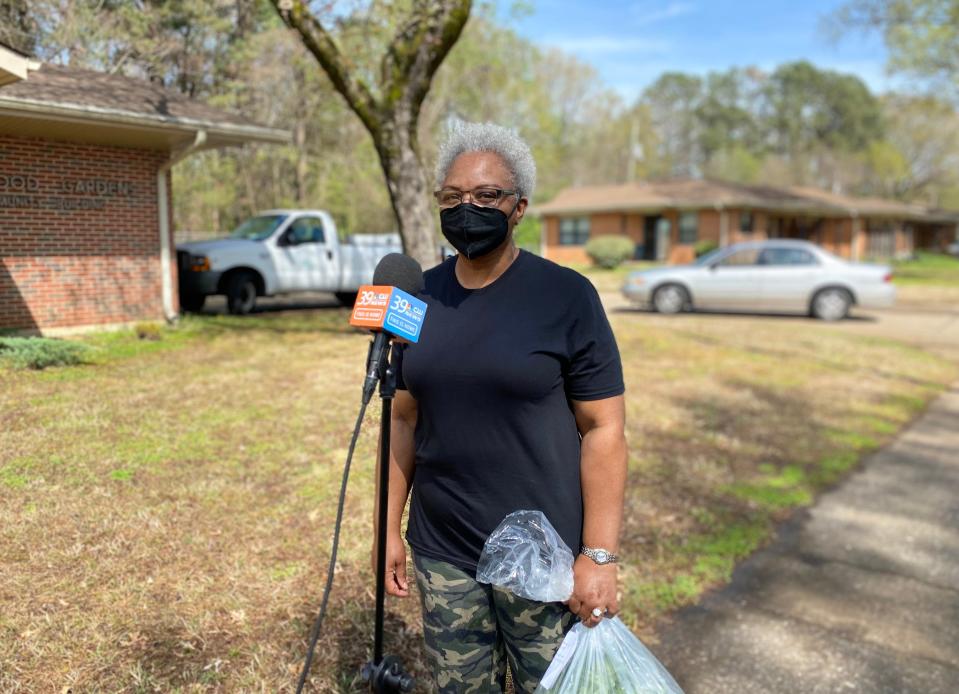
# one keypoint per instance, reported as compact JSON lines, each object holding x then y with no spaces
{"x":602,"y":557}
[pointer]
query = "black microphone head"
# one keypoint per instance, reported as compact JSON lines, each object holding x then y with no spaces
{"x":401,"y":271}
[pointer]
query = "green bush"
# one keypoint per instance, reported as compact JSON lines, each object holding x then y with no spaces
{"x":148,"y":331}
{"x":609,"y":251}
{"x":704,"y":247}
{"x":526,"y":235}
{"x":40,"y":352}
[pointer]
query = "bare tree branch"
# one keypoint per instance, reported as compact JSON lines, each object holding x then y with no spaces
{"x":320,"y":43}
{"x":391,"y":114}
{"x":419,"y":49}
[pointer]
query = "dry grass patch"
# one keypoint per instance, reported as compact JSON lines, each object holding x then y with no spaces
{"x":165,"y":512}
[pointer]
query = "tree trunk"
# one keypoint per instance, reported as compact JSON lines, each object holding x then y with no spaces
{"x":409,"y":185}
{"x":406,"y":71}
{"x":302,"y":164}
{"x":410,"y":189}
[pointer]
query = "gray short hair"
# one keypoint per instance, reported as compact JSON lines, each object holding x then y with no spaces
{"x":488,"y":137}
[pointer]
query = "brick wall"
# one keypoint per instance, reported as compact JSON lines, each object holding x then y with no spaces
{"x":78,"y":234}
{"x":565,"y":255}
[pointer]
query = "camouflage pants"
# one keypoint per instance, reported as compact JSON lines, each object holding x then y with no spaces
{"x":471,"y":629}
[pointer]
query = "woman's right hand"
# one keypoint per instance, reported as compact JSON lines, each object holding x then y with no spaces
{"x":396,"y":583}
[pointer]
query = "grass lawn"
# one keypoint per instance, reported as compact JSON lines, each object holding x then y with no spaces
{"x":930,"y":277}
{"x":165,"y":510}
{"x":928,"y":269}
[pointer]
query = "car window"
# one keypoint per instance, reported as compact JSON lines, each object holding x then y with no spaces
{"x":307,"y":230}
{"x":746,"y":256}
{"x":709,"y":257}
{"x":786,"y":256}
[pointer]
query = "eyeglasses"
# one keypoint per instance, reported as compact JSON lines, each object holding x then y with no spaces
{"x":485,"y":196}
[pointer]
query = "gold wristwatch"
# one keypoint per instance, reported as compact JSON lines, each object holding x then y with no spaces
{"x":599,"y":555}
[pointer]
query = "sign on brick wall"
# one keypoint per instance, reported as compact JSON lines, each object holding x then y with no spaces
{"x":20,"y":191}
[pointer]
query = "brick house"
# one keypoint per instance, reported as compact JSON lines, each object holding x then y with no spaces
{"x":666,"y":220}
{"x":85,"y":159}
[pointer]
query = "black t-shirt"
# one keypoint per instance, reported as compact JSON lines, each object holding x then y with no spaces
{"x":493,"y":374}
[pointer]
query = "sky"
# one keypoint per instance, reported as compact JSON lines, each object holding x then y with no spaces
{"x":631,"y":43}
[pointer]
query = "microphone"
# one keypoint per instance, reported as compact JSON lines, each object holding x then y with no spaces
{"x":389,"y":309}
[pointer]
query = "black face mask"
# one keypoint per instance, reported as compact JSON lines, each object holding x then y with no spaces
{"x":474,"y":230}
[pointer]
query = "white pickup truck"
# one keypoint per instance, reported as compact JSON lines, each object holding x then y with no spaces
{"x":279,"y":252}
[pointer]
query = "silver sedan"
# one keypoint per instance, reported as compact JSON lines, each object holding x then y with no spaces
{"x":777,"y":276}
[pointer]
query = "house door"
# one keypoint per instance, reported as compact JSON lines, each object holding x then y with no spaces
{"x":649,"y":249}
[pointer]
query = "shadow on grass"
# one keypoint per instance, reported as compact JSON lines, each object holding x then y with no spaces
{"x":355,"y":642}
{"x":786,"y":317}
{"x":169,"y":655}
{"x":332,"y":319}
{"x":300,"y":314}
{"x":830,"y":364}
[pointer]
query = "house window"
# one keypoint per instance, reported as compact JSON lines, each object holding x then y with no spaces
{"x":746,"y":222}
{"x":880,"y":238}
{"x":688,"y":227}
{"x":573,"y":231}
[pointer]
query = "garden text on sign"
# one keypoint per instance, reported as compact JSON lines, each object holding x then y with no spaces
{"x":22,"y":191}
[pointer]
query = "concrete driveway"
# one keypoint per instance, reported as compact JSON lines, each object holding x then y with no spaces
{"x":859,"y":593}
{"x":927,"y":319}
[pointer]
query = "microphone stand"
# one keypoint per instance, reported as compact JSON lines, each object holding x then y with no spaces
{"x":384,"y":674}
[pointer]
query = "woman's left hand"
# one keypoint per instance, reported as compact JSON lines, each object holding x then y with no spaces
{"x":594,"y":586}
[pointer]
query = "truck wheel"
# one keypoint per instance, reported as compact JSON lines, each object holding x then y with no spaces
{"x":346,"y":298}
{"x":241,"y":294}
{"x":192,"y":303}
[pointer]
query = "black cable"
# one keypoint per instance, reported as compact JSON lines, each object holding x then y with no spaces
{"x":317,"y":625}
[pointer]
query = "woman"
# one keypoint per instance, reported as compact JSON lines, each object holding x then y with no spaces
{"x":512,"y":399}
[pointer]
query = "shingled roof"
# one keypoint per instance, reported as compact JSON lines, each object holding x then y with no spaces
{"x":699,"y":194}
{"x":68,"y":93}
{"x":54,"y":84}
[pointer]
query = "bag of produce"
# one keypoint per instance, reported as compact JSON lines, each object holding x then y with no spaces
{"x":526,"y":556}
{"x":605,"y":659}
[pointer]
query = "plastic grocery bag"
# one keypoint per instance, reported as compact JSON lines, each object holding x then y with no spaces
{"x":526,"y":556}
{"x":607,"y":659}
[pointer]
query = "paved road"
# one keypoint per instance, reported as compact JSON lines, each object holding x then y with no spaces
{"x":858,"y":594}
{"x":932,"y":325}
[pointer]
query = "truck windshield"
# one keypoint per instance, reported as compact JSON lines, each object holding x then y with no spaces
{"x":258,"y":228}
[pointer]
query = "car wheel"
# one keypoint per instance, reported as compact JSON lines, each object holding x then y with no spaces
{"x":346,"y":298}
{"x":192,"y":303}
{"x":241,"y":294}
{"x":670,"y":298}
{"x":831,"y":304}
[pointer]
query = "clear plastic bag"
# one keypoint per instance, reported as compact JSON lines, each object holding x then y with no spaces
{"x":526,"y":556}
{"x":607,"y":658}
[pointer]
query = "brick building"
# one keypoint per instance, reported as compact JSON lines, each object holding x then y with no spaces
{"x":666,"y":220}
{"x":85,"y":159}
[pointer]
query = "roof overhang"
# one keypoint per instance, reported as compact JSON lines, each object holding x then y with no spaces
{"x":793,"y":208}
{"x":14,"y":66}
{"x":63,"y":121}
